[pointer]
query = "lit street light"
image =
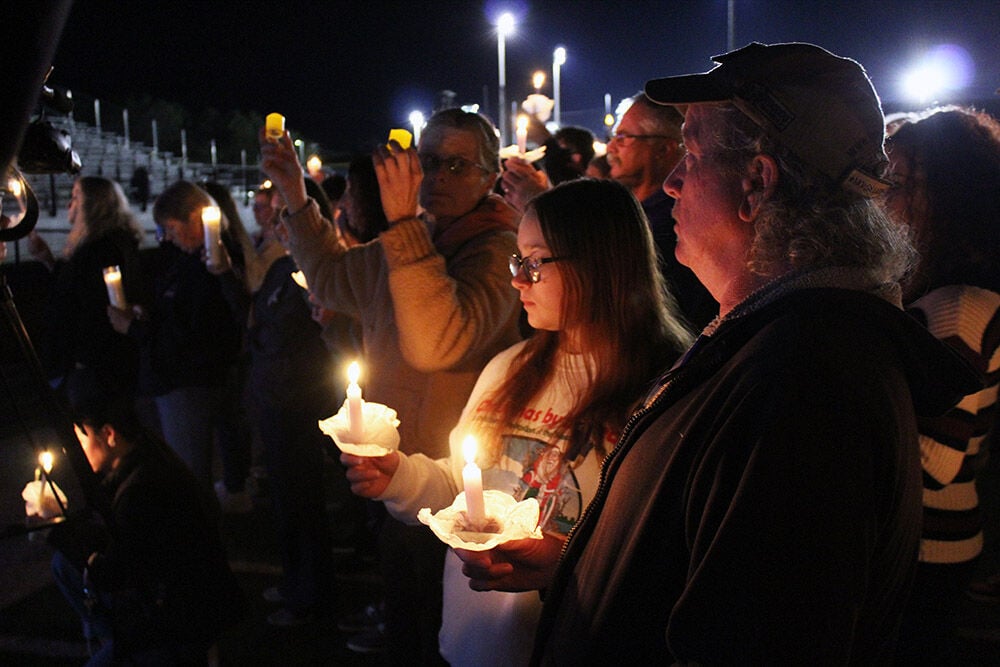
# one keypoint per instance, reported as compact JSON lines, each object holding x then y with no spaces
{"x":505,"y":27}
{"x":558,"y":60}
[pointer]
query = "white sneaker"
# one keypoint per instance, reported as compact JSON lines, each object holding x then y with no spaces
{"x":233,"y":503}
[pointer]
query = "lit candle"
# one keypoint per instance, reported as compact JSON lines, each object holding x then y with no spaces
{"x":300,"y":280}
{"x":211,"y":219}
{"x":402,"y":137}
{"x":522,"y":134}
{"x":113,"y":281}
{"x":45,"y":462}
{"x":274,"y":126}
{"x":472,"y":480}
{"x":355,"y":415}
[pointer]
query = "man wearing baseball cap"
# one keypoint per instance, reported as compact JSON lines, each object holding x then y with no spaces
{"x":763,"y":504}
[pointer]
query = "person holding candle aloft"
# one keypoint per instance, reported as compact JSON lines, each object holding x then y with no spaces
{"x":435,"y":303}
{"x":546,"y":410}
{"x":77,"y":334}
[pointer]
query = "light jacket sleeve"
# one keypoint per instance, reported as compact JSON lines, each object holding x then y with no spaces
{"x":448,"y":312}
{"x":338,"y":277}
{"x":419,"y":482}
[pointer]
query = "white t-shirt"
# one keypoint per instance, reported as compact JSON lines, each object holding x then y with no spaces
{"x":495,"y":628}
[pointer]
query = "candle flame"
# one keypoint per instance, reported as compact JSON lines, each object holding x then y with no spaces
{"x":14,"y":185}
{"x":522,"y":122}
{"x":45,"y":461}
{"x":469,"y":447}
{"x":353,"y":372}
{"x":211,"y":214}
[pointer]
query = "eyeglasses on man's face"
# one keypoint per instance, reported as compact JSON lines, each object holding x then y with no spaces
{"x":626,"y":139}
{"x":529,"y":268}
{"x":453,"y":164}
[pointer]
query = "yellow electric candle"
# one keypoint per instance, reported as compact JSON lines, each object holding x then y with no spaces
{"x":402,"y":137}
{"x":274,"y":126}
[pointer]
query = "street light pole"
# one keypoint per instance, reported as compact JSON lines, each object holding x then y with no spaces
{"x":558,"y":60}
{"x":505,"y":26}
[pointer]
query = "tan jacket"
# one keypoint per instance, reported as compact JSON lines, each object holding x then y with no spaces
{"x":435,"y":305}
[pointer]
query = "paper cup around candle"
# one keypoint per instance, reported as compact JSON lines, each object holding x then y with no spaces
{"x":274,"y":126}
{"x":381,"y":430}
{"x":113,"y":282}
{"x":513,"y":520}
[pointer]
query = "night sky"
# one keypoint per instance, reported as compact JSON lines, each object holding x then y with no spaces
{"x":345,"y":72}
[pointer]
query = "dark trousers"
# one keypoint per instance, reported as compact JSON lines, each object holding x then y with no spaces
{"x":293,"y":457}
{"x":412,"y":563}
{"x":928,"y":632}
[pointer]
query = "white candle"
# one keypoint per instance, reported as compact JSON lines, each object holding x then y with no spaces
{"x":472,"y":481}
{"x":355,"y":414}
{"x":211,"y":220}
{"x":113,"y":281}
{"x":522,"y":134}
{"x":45,"y":461}
{"x":300,"y":280}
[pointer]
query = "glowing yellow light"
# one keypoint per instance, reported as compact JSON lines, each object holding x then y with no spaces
{"x":45,"y":460}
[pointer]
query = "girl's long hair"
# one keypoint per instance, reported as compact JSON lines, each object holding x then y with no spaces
{"x":614,"y":297}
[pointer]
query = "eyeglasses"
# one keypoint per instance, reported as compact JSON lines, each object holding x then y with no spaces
{"x":626,"y":139}
{"x":455,"y":165}
{"x":529,"y":268}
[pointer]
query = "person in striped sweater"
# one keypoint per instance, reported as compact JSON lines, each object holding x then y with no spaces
{"x":946,"y":171}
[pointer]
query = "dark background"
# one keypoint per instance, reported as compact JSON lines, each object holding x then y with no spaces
{"x":344,"y":72}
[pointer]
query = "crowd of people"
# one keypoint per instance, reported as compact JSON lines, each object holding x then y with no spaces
{"x":747,"y":368}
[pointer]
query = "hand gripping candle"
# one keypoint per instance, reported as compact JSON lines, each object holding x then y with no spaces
{"x":472,"y":481}
{"x":211,"y":220}
{"x":113,"y":281}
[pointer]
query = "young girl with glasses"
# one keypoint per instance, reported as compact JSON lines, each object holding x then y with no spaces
{"x":546,"y":410}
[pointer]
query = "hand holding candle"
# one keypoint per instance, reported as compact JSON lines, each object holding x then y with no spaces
{"x":113,"y":281}
{"x":355,"y":412}
{"x":211,"y":219}
{"x":472,"y":480}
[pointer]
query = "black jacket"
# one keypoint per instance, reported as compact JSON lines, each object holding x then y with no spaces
{"x":765,"y":507}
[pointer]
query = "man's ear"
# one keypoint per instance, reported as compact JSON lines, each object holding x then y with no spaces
{"x":109,"y":435}
{"x":759,"y":184}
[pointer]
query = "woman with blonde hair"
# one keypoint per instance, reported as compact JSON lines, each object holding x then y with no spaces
{"x":77,"y":335}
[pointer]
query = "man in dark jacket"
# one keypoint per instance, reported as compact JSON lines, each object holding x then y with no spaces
{"x":150,"y":580}
{"x":763,"y":506}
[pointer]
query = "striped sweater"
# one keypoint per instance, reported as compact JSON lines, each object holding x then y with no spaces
{"x":968,"y":320}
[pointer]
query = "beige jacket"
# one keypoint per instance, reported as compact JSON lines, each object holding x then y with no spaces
{"x":435,"y":305}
